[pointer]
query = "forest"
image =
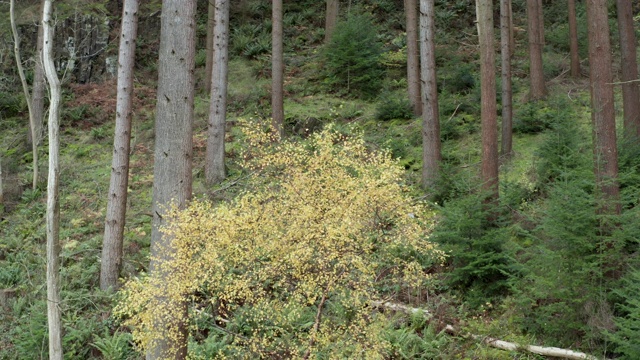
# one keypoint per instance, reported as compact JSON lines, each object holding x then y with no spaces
{"x":338,"y":179}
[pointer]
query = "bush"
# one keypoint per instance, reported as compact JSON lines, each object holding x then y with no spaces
{"x":628,"y":321}
{"x":352,"y":57}
{"x":324,"y":219}
{"x":393,"y":107}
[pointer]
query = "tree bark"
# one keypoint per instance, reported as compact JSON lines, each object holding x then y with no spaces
{"x":629,"y":65}
{"x":53,"y":202}
{"x":505,"y":56}
{"x":536,"y":72}
{"x":413,"y":58}
{"x":37,"y":94}
{"x":573,"y":39}
{"x":602,"y":106}
{"x":431,"y":155}
{"x":25,"y":88}
{"x":540,"y":22}
{"x":117,"y":202}
{"x":277,"y":69}
{"x":214,"y":165}
{"x":333,"y":9}
{"x":173,"y":152}
{"x":489,"y":172}
{"x":209,"y":48}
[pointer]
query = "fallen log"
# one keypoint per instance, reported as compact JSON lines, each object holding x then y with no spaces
{"x":493,"y":342}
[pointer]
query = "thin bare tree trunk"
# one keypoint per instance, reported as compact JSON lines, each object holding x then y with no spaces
{"x":209,"y":49}
{"x":512,"y":37}
{"x":489,"y":173}
{"x":413,"y":58}
{"x":277,"y":69}
{"x":573,"y":39}
{"x":602,"y":106}
{"x":505,"y":56}
{"x":27,"y":95}
{"x":333,"y":8}
{"x":536,"y":72}
{"x":629,"y":65}
{"x":172,"y":173}
{"x":117,"y":202}
{"x":214,"y":165}
{"x":431,"y":155}
{"x":37,"y":95}
{"x":53,"y":202}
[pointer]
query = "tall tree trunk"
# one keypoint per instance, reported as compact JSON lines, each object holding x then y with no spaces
{"x":37,"y":94}
{"x":512,"y":37}
{"x":573,"y":39}
{"x":505,"y":56}
{"x":277,"y":68}
{"x":172,"y":177}
{"x":602,"y":106}
{"x":536,"y":72}
{"x":430,"y":115}
{"x":27,"y":95}
{"x":209,"y":48}
{"x":214,"y":165}
{"x":629,"y":65}
{"x":333,"y":9}
{"x":413,"y":60}
{"x":117,"y":202}
{"x":489,"y":173}
{"x":53,"y":201}
{"x":540,"y":22}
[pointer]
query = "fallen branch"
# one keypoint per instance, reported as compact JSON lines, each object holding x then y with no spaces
{"x":493,"y":342}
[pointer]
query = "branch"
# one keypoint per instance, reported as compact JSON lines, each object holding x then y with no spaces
{"x":316,"y":325}
{"x":493,"y":342}
{"x":624,"y":82}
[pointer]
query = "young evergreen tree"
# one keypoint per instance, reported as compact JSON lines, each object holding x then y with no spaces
{"x":413,"y":58}
{"x":431,"y":155}
{"x":489,"y":173}
{"x":602,"y":106}
{"x":53,"y":200}
{"x":629,"y":65}
{"x":172,"y":174}
{"x":214,"y":165}
{"x":119,"y":183}
{"x":277,"y":68}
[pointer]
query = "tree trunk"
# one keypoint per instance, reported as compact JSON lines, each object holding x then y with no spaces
{"x":209,"y":49}
{"x":117,"y":202}
{"x":27,"y":95}
{"x":536,"y":72}
{"x":430,"y":115}
{"x":489,"y":173}
{"x":413,"y":60}
{"x":37,"y":95}
{"x":505,"y":56}
{"x":277,"y":69}
{"x":629,"y":65}
{"x":214,"y":165}
{"x":173,"y":154}
{"x":540,"y":22}
{"x":602,"y":106}
{"x":512,"y":37}
{"x":333,"y":8}
{"x":53,"y":202}
{"x":573,"y":39}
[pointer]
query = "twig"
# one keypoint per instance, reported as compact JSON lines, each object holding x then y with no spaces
{"x":316,"y":325}
{"x":624,"y":82}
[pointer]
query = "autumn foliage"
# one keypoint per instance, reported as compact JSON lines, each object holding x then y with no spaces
{"x":288,"y":269}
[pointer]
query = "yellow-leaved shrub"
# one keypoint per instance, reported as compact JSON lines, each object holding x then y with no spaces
{"x":289,"y":268}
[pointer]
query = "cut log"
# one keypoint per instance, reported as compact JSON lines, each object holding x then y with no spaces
{"x":493,"y":342}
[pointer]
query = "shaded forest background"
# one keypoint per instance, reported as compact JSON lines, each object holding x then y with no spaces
{"x":547,"y":269}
